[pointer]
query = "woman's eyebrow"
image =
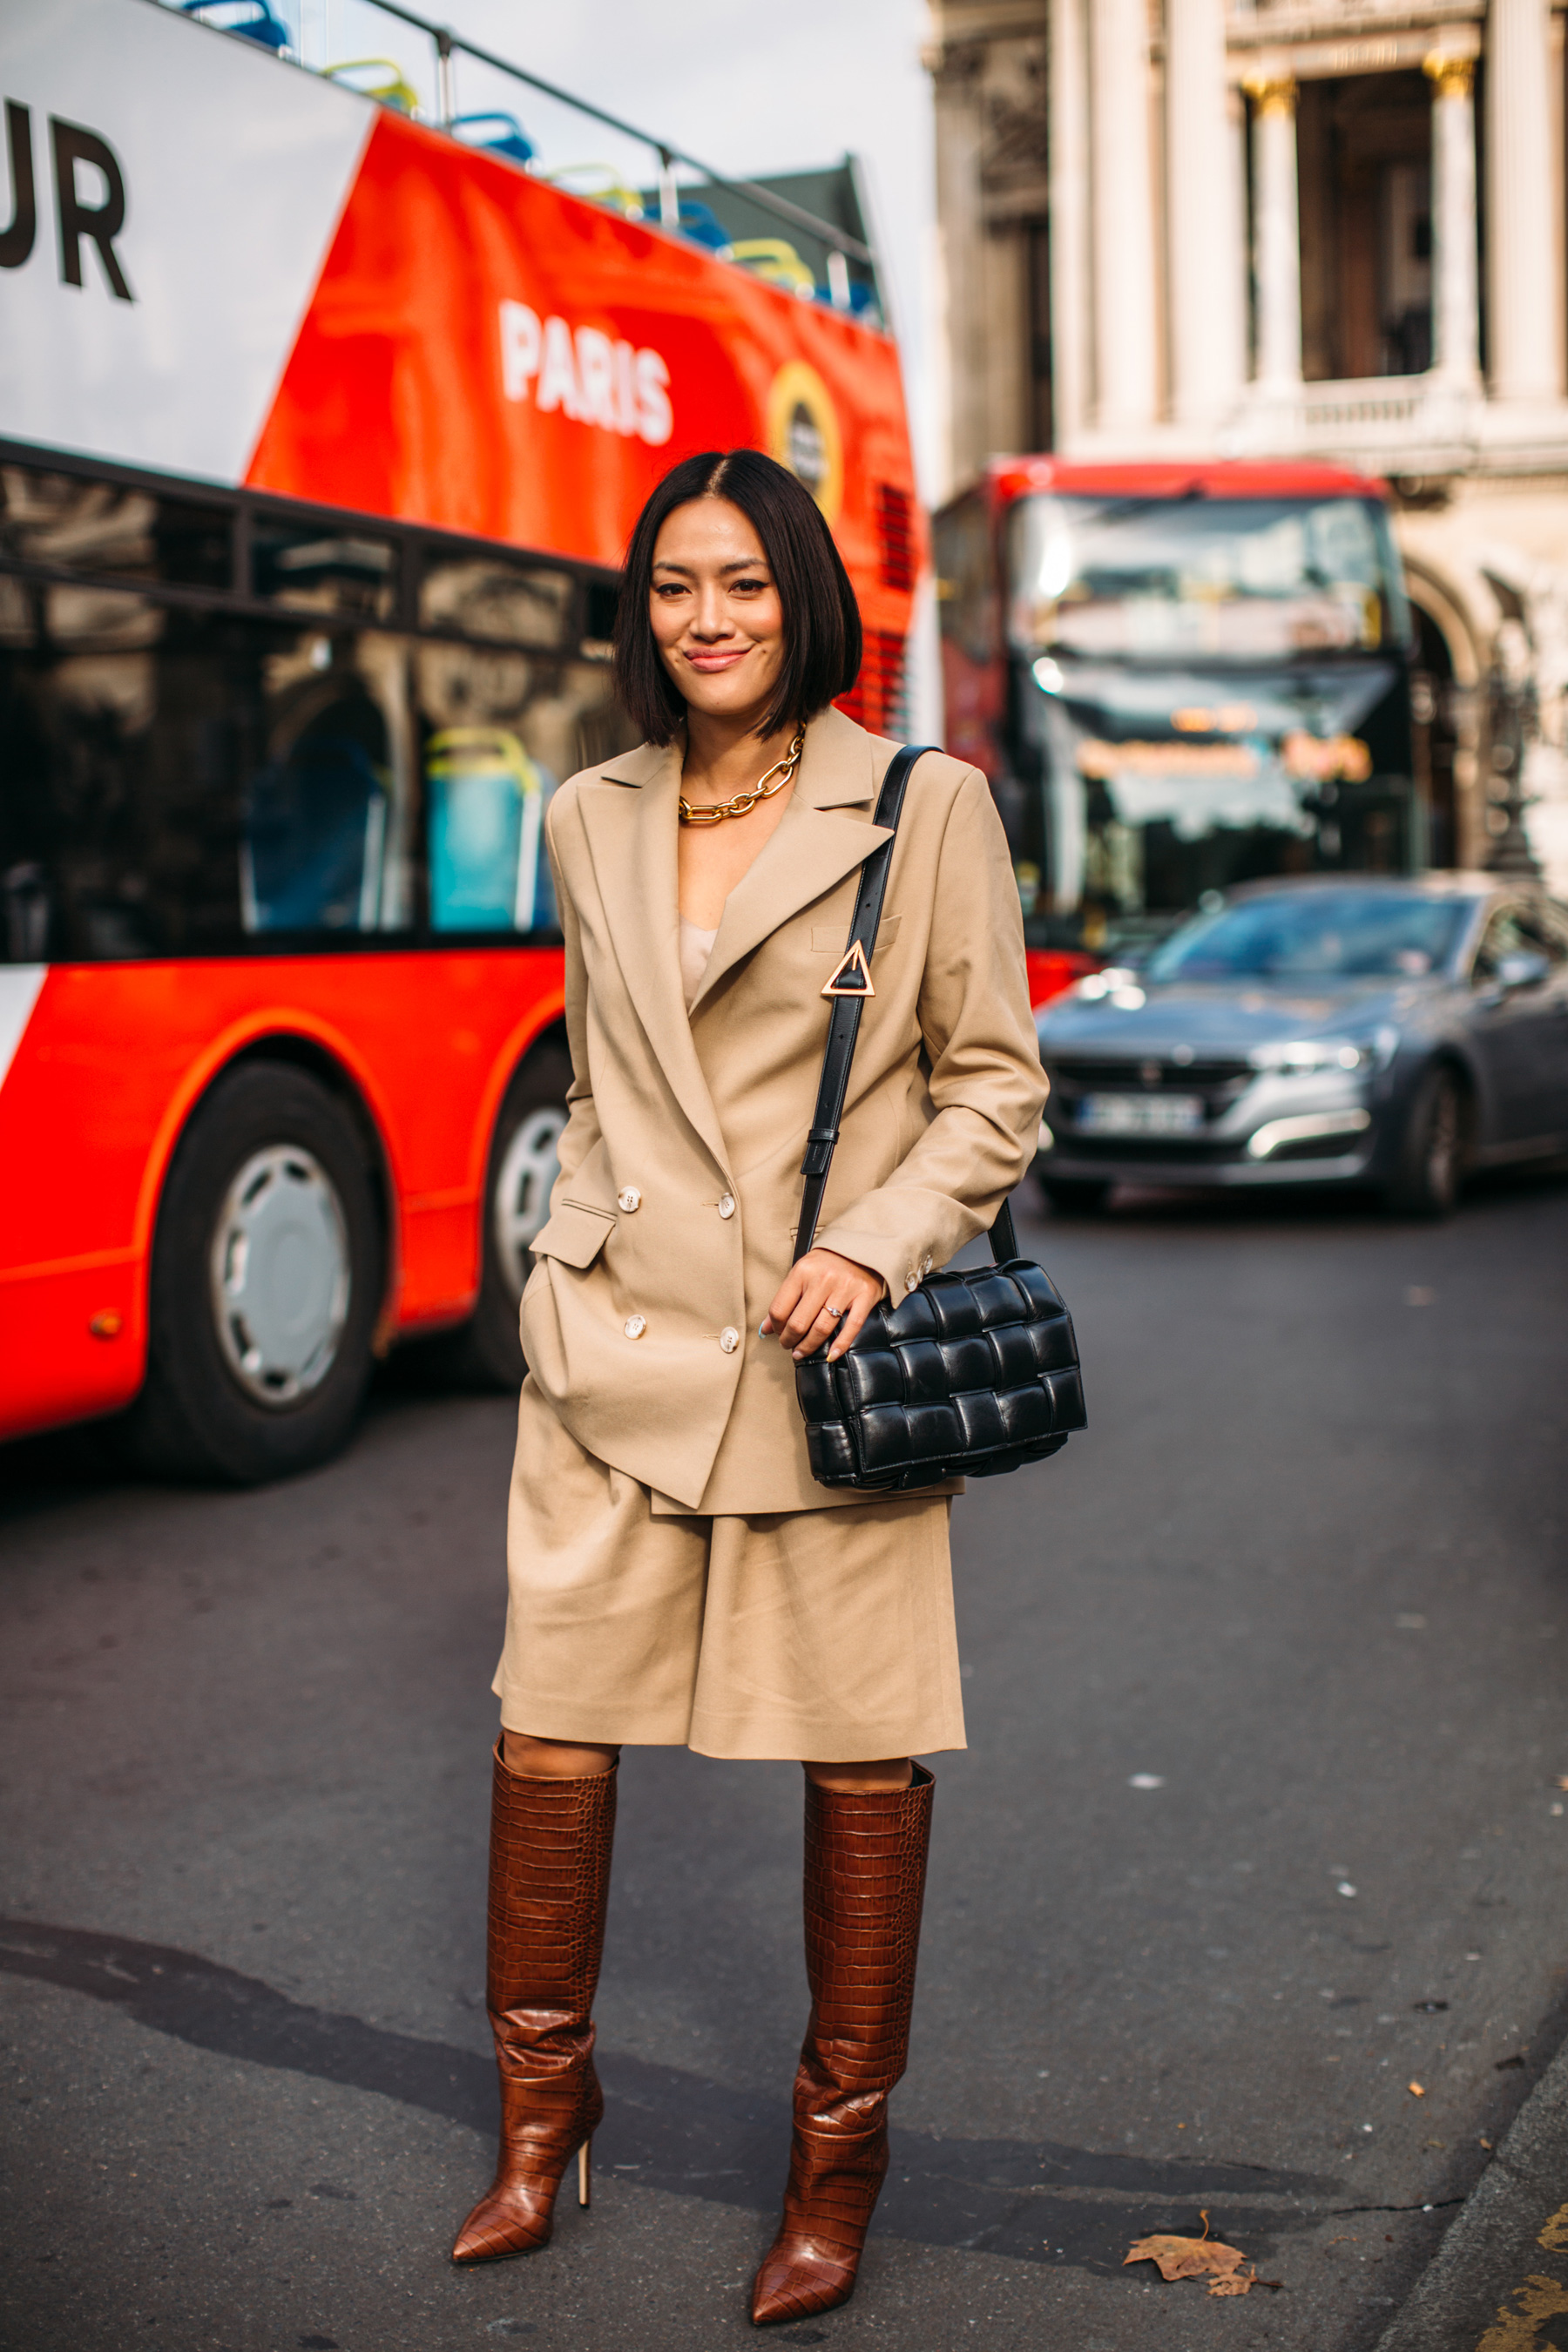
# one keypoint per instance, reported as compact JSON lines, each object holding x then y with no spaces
{"x":740,"y":563}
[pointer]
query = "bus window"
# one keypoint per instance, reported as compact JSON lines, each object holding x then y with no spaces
{"x":324,"y":568}
{"x":1222,"y":579}
{"x":187,"y":781}
{"x":76,"y":525}
{"x":316,"y":823}
{"x":505,"y":726}
{"x":478,"y":596}
{"x":486,"y":802}
{"x":181,"y":783}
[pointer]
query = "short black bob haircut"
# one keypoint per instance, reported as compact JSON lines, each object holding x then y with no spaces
{"x":821,"y":618}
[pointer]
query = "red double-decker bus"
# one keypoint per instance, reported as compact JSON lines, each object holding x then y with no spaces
{"x":321,"y":433}
{"x":1178,"y":677}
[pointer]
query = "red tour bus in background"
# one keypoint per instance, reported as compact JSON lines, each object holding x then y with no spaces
{"x":321,"y":434}
{"x":1179,"y":676}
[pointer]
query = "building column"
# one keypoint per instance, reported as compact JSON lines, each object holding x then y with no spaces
{"x":1126,"y":348}
{"x":1275,"y":217}
{"x":1071,"y":389}
{"x":1455,"y":319}
{"x":1523,"y":295}
{"x":958,"y":272}
{"x":1208,"y":340}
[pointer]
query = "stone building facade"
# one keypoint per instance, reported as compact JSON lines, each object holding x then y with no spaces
{"x":1291,"y":229}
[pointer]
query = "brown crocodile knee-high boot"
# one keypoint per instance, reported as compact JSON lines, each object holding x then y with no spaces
{"x":865,"y":1881}
{"x":550,"y":1882}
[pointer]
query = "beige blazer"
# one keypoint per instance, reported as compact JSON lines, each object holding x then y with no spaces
{"x":673,"y":1221}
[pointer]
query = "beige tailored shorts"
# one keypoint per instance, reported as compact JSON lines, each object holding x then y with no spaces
{"x":825,"y":1636}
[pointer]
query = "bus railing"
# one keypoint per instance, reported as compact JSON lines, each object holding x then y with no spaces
{"x":850,"y":278}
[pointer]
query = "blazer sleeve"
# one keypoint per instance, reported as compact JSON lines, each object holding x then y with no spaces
{"x":987,"y":1086}
{"x":582,"y":1131}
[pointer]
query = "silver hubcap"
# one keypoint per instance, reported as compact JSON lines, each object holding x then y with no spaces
{"x":280,"y":1275}
{"x":528,"y":1171}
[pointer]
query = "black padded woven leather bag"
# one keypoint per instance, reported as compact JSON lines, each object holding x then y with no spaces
{"x":969,"y":1375}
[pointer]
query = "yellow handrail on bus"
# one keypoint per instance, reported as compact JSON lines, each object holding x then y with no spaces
{"x":395,"y":92}
{"x":612,"y":190}
{"x":775,"y":259}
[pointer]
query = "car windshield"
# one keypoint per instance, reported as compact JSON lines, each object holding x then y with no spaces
{"x":1249,"y":580}
{"x":1315,"y":935}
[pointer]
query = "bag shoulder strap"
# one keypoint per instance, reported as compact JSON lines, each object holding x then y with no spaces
{"x":843,"y":1028}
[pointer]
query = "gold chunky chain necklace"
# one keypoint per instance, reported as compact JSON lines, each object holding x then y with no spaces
{"x":744,"y":803}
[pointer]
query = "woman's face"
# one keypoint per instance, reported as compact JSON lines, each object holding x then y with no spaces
{"x":715,"y":611}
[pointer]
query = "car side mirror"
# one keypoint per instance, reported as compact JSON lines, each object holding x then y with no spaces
{"x":1524,"y":968}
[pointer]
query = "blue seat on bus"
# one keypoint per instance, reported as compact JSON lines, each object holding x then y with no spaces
{"x":485,"y":799}
{"x":315,"y":832}
{"x":699,"y":221}
{"x":497,"y":134}
{"x":253,"y":19}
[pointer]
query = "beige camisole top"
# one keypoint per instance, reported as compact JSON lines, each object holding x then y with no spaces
{"x":695,"y":948}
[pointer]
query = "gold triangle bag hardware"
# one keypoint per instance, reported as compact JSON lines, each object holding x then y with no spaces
{"x":969,"y":1374}
{"x":851,"y":975}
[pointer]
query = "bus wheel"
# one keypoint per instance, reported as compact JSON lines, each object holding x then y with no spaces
{"x":266,"y":1280}
{"x":522,"y":1168}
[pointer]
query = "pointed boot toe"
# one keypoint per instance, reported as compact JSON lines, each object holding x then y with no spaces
{"x":799,"y":2278}
{"x":511,"y":2219}
{"x":507,"y":2222}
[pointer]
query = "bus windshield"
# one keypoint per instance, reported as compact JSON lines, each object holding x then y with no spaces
{"x":1193,"y":578}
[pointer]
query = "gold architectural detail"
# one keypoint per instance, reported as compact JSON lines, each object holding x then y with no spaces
{"x":1450,"y":76}
{"x":1271,"y":93}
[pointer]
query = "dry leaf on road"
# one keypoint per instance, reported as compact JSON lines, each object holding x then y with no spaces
{"x":1205,"y":2257}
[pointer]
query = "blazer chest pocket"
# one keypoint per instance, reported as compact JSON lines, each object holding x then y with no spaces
{"x":575,"y":1236}
{"x":829,"y":937}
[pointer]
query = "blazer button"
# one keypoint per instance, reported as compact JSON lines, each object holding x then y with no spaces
{"x":635,"y":1325}
{"x":629,"y":1199}
{"x":727,"y":1204}
{"x":729,"y":1339}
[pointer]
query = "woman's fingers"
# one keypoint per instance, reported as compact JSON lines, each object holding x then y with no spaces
{"x":811,"y":1325}
{"x":799,"y":1308}
{"x":804,"y":1316}
{"x":850,"y":1326}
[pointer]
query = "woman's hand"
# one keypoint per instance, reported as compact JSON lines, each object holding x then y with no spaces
{"x":806,"y":1313}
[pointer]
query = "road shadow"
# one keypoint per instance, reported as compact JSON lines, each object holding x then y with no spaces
{"x":1038,"y":2201}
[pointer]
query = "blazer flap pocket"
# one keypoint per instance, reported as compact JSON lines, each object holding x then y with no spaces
{"x":575,"y":1234}
{"x":837,"y":935}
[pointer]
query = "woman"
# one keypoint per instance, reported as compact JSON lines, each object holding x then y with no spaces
{"x":676,"y":1576}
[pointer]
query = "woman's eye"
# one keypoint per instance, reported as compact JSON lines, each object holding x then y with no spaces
{"x":749,"y":587}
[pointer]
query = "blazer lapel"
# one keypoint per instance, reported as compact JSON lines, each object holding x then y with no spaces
{"x":813,"y":847}
{"x":631,"y":831}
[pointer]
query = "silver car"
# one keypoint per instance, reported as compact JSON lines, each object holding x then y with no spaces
{"x":1338,"y":1030}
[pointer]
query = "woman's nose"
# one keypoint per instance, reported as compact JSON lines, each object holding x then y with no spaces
{"x":711,"y":620}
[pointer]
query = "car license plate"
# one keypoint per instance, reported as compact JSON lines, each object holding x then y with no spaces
{"x":1139,"y":1114}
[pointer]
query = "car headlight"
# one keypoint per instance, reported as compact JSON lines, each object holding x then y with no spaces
{"x":1315,"y":1056}
{"x":1095,"y":984}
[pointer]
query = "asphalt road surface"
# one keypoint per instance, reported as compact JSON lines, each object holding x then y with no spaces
{"x":1261,"y":1826}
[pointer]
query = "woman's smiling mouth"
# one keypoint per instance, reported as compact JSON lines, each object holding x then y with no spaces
{"x":716,"y":659}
